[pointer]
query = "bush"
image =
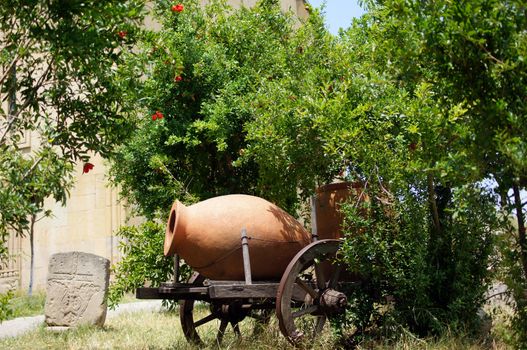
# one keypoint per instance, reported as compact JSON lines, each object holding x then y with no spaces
{"x":143,"y":262}
{"x":512,"y":275}
{"x":426,"y":281}
{"x":5,"y":310}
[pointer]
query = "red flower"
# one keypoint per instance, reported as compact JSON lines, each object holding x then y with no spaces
{"x":178,"y":78}
{"x":157,"y":115}
{"x":177,"y":8}
{"x":87,"y":167}
{"x":122,"y":34}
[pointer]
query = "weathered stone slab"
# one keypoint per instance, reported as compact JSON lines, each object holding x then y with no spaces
{"x":76,"y":289}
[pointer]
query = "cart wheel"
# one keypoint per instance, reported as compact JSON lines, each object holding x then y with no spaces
{"x":231,"y":313}
{"x":307,"y":294}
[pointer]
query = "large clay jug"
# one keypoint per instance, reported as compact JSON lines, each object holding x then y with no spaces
{"x":207,"y":235}
{"x":329,"y":218}
{"x":329,"y":197}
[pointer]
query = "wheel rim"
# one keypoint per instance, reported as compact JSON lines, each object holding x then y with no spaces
{"x":307,"y":294}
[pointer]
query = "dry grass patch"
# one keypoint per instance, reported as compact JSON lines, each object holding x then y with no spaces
{"x":162,"y":330}
{"x":445,"y":343}
{"x":141,"y":330}
{"x":144,"y":330}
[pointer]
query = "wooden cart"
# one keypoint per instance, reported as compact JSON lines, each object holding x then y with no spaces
{"x":307,"y":295}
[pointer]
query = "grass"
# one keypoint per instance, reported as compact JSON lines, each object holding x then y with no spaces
{"x":23,"y":305}
{"x":446,"y":343}
{"x":162,"y":330}
{"x":142,"y":330}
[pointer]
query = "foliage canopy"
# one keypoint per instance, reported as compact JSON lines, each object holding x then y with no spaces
{"x":57,"y":63}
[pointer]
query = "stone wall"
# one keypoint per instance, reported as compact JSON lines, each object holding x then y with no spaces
{"x":296,"y":6}
{"x":87,"y":223}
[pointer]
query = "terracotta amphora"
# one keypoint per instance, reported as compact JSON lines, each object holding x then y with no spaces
{"x":329,"y":218}
{"x":329,"y":197}
{"x":207,"y":235}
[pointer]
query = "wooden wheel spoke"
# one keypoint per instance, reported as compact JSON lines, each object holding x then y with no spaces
{"x":320,"y":324}
{"x":205,"y":320}
{"x":307,"y":288}
{"x":221,"y":331}
{"x":236,"y":329}
{"x":307,"y":310}
{"x":335,"y":277}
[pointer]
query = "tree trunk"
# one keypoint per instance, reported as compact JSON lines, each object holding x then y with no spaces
{"x":433,"y":204}
{"x":32,"y":251}
{"x":521,"y":227}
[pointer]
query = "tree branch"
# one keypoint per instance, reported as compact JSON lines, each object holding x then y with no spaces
{"x":433,"y":203}
{"x":11,"y":121}
{"x":522,"y":240}
{"x":30,"y":170}
{"x":29,"y":99}
{"x":8,"y":69}
{"x":25,"y":45}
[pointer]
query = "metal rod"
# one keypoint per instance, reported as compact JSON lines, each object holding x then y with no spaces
{"x":246,"y":259}
{"x":314,"y":229}
{"x":176,"y":268}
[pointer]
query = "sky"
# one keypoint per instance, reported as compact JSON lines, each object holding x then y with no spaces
{"x":338,"y":13}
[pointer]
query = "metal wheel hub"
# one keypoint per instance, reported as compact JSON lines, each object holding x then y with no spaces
{"x":333,"y":302}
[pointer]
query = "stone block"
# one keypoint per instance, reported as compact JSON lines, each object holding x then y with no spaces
{"x":76,"y":289}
